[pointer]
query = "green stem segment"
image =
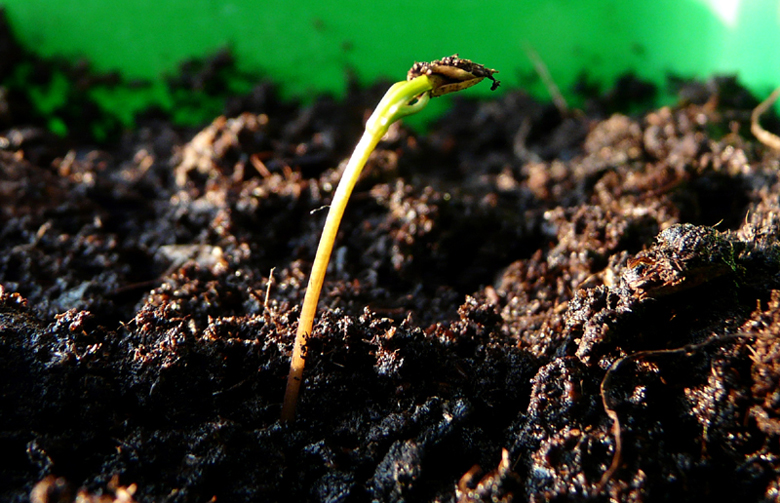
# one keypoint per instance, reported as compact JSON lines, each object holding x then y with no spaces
{"x":403,"y":98}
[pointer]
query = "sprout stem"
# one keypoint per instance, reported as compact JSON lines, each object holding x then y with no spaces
{"x":403,"y":98}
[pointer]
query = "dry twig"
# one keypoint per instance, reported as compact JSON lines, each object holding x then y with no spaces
{"x":771,"y":140}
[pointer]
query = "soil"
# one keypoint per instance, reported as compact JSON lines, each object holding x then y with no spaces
{"x":584,"y":304}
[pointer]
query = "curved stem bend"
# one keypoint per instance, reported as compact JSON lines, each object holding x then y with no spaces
{"x":403,"y":98}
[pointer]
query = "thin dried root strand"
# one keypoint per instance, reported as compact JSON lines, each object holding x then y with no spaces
{"x":771,"y":140}
{"x":688,"y":349}
{"x":268,"y":289}
{"x":544,"y":73}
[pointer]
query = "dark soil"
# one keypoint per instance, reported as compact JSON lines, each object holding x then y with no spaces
{"x":518,"y":289}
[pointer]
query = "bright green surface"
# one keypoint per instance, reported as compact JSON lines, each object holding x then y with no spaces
{"x":309,"y":45}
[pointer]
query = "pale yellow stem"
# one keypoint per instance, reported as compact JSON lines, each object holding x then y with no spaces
{"x":393,"y":106}
{"x":306,"y":321}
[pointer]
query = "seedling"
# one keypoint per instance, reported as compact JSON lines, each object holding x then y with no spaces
{"x":424,"y":80}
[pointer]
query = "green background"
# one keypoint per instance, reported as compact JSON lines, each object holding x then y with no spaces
{"x":309,"y":46}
